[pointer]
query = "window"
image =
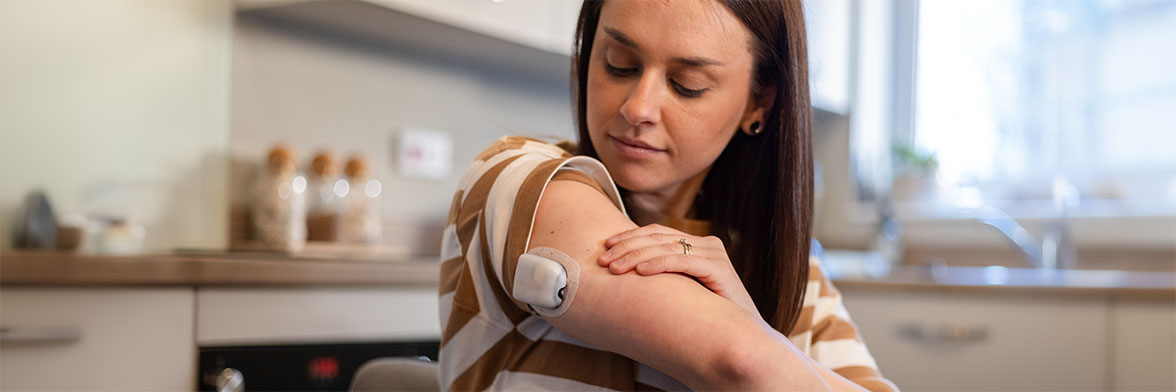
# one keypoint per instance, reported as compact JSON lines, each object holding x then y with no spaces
{"x":1022,"y":100}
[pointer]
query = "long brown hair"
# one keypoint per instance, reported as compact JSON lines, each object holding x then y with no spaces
{"x":759,"y":192}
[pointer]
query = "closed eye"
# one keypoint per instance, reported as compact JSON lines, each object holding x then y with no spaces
{"x":627,"y":72}
{"x":686,"y":92}
{"x":619,"y":72}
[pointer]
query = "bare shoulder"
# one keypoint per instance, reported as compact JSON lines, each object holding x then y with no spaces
{"x":576,"y":219}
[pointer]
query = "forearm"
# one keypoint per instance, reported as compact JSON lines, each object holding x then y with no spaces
{"x":695,"y":336}
{"x":775,"y":363}
{"x":835,"y":381}
{"x":666,"y":321}
{"x":832,"y":380}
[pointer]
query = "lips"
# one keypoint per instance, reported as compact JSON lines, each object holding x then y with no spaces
{"x":636,"y":143}
{"x":634,"y":148}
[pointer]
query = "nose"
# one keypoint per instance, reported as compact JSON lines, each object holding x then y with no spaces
{"x":643,"y":107}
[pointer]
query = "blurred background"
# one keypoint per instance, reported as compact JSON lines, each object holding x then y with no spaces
{"x":190,"y":186}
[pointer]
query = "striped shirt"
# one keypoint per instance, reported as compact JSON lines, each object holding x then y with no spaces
{"x":491,"y":341}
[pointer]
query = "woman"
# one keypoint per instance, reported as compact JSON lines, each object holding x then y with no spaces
{"x":699,"y":112}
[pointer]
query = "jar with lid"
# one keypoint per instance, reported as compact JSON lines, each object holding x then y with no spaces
{"x":360,"y":223}
{"x":279,"y":203}
{"x":326,"y":190}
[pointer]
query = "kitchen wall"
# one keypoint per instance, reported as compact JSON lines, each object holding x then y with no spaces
{"x":159,"y":110}
{"x":315,"y":89}
{"x":118,"y":107}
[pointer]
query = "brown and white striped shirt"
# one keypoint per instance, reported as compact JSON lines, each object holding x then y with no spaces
{"x":491,"y":341}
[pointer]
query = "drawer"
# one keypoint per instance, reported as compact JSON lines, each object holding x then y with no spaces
{"x":248,"y":316}
{"x":97,"y":339}
{"x":968,"y":341}
{"x":1143,"y":337}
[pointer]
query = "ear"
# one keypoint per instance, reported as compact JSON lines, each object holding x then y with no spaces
{"x":753,"y":116}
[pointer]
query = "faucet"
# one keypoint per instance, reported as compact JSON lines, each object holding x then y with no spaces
{"x":1052,"y":252}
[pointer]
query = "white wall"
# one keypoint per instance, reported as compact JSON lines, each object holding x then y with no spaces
{"x":118,"y":107}
{"x":313,"y":89}
{"x":159,"y":110}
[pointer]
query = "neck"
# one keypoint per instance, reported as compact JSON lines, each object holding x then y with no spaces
{"x":672,"y":201}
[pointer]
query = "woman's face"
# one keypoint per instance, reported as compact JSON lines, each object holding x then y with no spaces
{"x":669,"y":82}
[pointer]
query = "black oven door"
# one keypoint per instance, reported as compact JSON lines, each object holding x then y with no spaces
{"x":318,"y":367}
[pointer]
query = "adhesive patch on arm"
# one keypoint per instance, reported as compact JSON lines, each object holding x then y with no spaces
{"x":547,"y":280}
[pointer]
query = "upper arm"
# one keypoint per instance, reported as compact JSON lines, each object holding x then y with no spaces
{"x":667,"y":321}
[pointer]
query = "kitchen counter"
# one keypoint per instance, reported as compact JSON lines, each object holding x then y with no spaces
{"x":1017,"y":280}
{"x":261,"y":269}
{"x":210,"y":269}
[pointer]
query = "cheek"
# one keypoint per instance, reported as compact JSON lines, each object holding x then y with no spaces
{"x":602,"y":104}
{"x":706,"y":130}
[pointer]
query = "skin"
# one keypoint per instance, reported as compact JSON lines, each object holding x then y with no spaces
{"x":666,"y":54}
{"x":676,"y":77}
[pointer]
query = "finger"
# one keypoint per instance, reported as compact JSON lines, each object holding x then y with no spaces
{"x":623,"y":247}
{"x":643,"y":230}
{"x":686,"y":264}
{"x":610,"y":241}
{"x":637,"y":256}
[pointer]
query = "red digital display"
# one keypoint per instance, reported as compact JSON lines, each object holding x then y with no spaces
{"x":323,"y":368}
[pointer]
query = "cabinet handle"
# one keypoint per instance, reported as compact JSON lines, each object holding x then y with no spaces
{"x":228,"y":380}
{"x":40,"y":335}
{"x":946,"y":332}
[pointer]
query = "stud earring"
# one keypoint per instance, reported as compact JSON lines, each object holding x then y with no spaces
{"x":755,"y":128}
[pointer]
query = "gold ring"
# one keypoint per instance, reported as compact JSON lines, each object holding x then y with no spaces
{"x":686,"y":247}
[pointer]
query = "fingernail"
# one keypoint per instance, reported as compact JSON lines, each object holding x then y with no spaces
{"x":606,"y":254}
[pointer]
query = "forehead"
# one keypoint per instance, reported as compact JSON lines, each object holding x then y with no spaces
{"x":679,"y":27}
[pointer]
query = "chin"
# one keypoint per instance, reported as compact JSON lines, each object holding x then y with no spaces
{"x":634,"y":179}
{"x":631,"y":176}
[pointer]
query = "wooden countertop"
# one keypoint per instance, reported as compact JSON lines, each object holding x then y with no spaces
{"x":259,"y":269}
{"x":1160,"y":285}
{"x":210,"y":269}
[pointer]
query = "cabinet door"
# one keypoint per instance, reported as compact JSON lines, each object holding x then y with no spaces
{"x":1143,"y":337}
{"x":980,"y":341}
{"x":97,"y":339}
{"x":564,"y":16}
{"x":235,"y":316}
{"x":526,"y":22}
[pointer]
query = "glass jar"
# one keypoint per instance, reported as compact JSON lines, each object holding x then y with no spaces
{"x":325,"y":196}
{"x":361,"y":221}
{"x":279,"y":203}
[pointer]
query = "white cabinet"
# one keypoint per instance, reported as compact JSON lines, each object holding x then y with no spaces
{"x":541,"y":24}
{"x":129,"y":339}
{"x":97,"y":339}
{"x":234,"y":316}
{"x":530,"y":22}
{"x":1143,"y":335}
{"x":952,"y":340}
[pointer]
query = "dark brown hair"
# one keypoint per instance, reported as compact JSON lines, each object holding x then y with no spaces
{"x":758,"y":195}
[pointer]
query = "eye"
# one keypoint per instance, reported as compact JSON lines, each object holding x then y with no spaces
{"x":619,"y":72}
{"x":685,"y":92}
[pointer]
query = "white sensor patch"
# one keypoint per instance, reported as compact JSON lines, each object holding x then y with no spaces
{"x":546,"y":279}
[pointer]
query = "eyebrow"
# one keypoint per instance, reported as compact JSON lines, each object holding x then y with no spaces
{"x":690,"y":61}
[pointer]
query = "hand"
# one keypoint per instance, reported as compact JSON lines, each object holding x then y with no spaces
{"x":656,"y":249}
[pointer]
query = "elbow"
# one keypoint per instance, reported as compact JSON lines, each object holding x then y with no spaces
{"x":742,"y":366}
{"x":752,"y":365}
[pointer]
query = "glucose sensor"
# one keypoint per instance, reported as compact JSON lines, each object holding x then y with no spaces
{"x":546,"y":279}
